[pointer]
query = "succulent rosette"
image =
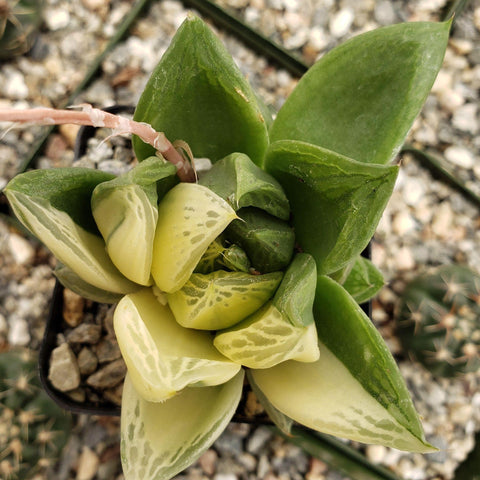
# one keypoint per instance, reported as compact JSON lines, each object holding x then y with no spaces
{"x":257,"y":266}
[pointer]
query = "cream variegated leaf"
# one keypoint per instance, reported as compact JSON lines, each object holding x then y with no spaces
{"x":190,"y":217}
{"x":326,"y":397}
{"x":80,"y":250}
{"x":161,"y":356}
{"x":158,"y":440}
{"x":267,"y":338}
{"x":125,"y":211}
{"x":127,"y":222}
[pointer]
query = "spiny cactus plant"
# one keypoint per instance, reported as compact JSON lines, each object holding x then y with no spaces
{"x":438,"y":320}
{"x":33,"y":430}
{"x":19,"y":20}
{"x":254,"y":266}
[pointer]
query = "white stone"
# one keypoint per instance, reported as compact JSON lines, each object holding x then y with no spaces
{"x":384,"y":13}
{"x":403,"y":223}
{"x":404,"y":259}
{"x":476,"y":18}
{"x":451,"y":100}
{"x":341,"y":22}
{"x":57,"y":18}
{"x":21,"y":249}
{"x":460,"y":156}
{"x":88,"y":463}
{"x":95,"y":4}
{"x":413,"y":191}
{"x":461,"y":45}
{"x":442,"y":82}
{"x":466,"y":118}
{"x":225,"y":476}
{"x":18,"y":333}
{"x":291,"y":5}
{"x":297,"y":40}
{"x":15,"y":86}
{"x":376,"y":453}
{"x":443,"y":220}
{"x":318,"y":39}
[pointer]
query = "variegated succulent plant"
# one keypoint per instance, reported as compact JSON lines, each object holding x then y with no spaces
{"x":256,"y":265}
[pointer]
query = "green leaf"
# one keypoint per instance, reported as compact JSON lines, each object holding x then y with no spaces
{"x":197,"y":94}
{"x":364,"y":280}
{"x":234,"y":258}
{"x":283,"y":422}
{"x":55,"y":206}
{"x":336,"y":202}
{"x":126,"y":213}
{"x":218,"y":256}
{"x":242,"y":184}
{"x":159,"y":440}
{"x":361,"y":98}
{"x":355,"y":389}
{"x":268,"y":241}
{"x":295,"y":295}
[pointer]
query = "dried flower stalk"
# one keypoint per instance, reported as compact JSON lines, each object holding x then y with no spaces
{"x":98,"y":118}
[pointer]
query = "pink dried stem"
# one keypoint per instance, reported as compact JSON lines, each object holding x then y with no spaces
{"x":98,"y":118}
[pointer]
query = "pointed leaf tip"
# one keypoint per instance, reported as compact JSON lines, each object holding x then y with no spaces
{"x":362,"y":97}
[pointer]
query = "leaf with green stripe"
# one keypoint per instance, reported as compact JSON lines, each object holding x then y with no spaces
{"x":69,"y":279}
{"x":295,"y":295}
{"x":159,"y":440}
{"x":355,"y":389}
{"x":267,"y":240}
{"x":55,"y":206}
{"x":362,"y":97}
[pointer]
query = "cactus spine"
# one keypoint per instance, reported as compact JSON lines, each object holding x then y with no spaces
{"x":438,"y":321}
{"x":33,"y":430}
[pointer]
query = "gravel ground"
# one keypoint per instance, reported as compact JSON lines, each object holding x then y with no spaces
{"x":426,"y":223}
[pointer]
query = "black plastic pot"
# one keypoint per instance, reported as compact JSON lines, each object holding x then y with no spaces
{"x":55,"y":326}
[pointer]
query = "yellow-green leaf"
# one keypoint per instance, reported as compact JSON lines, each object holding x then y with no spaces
{"x":221,"y":299}
{"x":125,"y":211}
